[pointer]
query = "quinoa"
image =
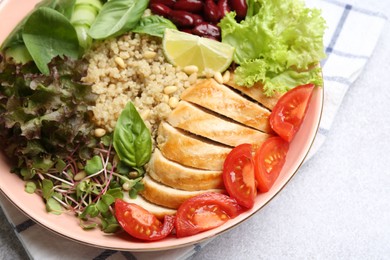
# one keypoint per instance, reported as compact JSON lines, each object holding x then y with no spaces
{"x":133,"y":68}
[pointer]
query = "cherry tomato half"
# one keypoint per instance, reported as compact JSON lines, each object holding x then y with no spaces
{"x":288,"y":114}
{"x":140,"y":223}
{"x":238,"y":175}
{"x":204,"y":212}
{"x":269,"y":161}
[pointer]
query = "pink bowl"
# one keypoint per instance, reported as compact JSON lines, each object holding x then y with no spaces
{"x":67,"y":225}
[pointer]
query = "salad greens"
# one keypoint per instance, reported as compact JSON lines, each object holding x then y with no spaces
{"x":45,"y":122}
{"x":117,"y":17}
{"x":154,"y":25}
{"x":283,"y":42}
{"x":132,"y":139}
{"x":47,"y":34}
{"x":68,"y":27}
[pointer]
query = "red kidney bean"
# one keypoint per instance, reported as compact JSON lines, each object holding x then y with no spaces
{"x":169,"y":3}
{"x":193,"y":6}
{"x":160,"y":9}
{"x":187,"y":30}
{"x":223,"y":7}
{"x":207,"y":30}
{"x":185,"y":19}
{"x":211,"y":12}
{"x":240,"y":7}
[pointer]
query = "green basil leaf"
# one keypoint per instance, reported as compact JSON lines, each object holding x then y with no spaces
{"x":116,"y":17}
{"x":47,"y":34}
{"x":154,"y":25}
{"x":132,"y":139}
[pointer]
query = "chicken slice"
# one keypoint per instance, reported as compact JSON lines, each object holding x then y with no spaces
{"x":198,"y":121}
{"x":256,"y":92}
{"x":181,"y":177}
{"x":165,"y":196}
{"x":157,"y":210}
{"x":190,"y":150}
{"x":222,"y":100}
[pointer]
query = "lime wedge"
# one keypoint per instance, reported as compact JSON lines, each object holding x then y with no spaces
{"x":184,"y":49}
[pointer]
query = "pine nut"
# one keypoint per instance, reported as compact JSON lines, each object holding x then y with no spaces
{"x":99,"y":132}
{"x":119,"y":61}
{"x":193,"y":77}
{"x":149,"y":54}
{"x":80,"y":175}
{"x":170,"y":90}
{"x":190,"y":69}
{"x":173,"y":102}
{"x":226,"y":76}
{"x":218,"y":77}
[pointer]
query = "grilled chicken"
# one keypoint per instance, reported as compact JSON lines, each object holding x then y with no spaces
{"x":165,"y":196}
{"x":198,"y":135}
{"x":190,"y":150}
{"x":181,"y":177}
{"x":157,"y":210}
{"x":198,"y":121}
{"x":256,"y":93}
{"x":222,"y":100}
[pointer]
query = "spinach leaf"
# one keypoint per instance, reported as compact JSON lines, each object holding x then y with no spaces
{"x":132,"y":139}
{"x":116,"y":17}
{"x":47,"y":34}
{"x":154,"y":25}
{"x":65,"y":7}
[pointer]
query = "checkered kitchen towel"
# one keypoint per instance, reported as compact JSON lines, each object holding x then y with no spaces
{"x":350,"y":40}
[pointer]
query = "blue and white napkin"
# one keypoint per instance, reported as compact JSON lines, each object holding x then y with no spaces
{"x":350,"y":40}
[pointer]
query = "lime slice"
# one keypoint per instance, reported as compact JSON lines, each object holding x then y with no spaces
{"x":184,"y":49}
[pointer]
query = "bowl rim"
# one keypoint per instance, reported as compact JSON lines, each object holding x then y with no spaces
{"x":199,"y":238}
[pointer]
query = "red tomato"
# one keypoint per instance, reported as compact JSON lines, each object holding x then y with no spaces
{"x":269,"y":161}
{"x":204,"y":212}
{"x":288,"y":114}
{"x":140,"y":223}
{"x":239,"y":177}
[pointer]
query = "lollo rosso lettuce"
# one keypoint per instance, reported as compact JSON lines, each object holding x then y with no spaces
{"x":278,"y":44}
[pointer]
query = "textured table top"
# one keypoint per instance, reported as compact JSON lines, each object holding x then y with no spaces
{"x":337,"y":206}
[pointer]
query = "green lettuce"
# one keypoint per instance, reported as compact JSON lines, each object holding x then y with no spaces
{"x":279,"y":43}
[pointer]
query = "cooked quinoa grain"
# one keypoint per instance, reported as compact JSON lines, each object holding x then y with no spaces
{"x":133,"y":68}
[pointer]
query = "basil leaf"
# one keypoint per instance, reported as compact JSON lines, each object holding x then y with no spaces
{"x":132,"y":140}
{"x":154,"y":25}
{"x":116,"y":17}
{"x":47,"y":34}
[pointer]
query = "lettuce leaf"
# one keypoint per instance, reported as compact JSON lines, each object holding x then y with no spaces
{"x":277,"y":44}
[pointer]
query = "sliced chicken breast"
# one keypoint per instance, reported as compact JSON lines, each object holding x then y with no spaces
{"x":201,"y":122}
{"x":256,"y":92}
{"x":181,"y":177}
{"x":157,"y":210}
{"x":189,"y":150}
{"x":165,"y":196}
{"x":222,"y":100}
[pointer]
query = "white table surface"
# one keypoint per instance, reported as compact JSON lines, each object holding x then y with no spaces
{"x":338,"y":205}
